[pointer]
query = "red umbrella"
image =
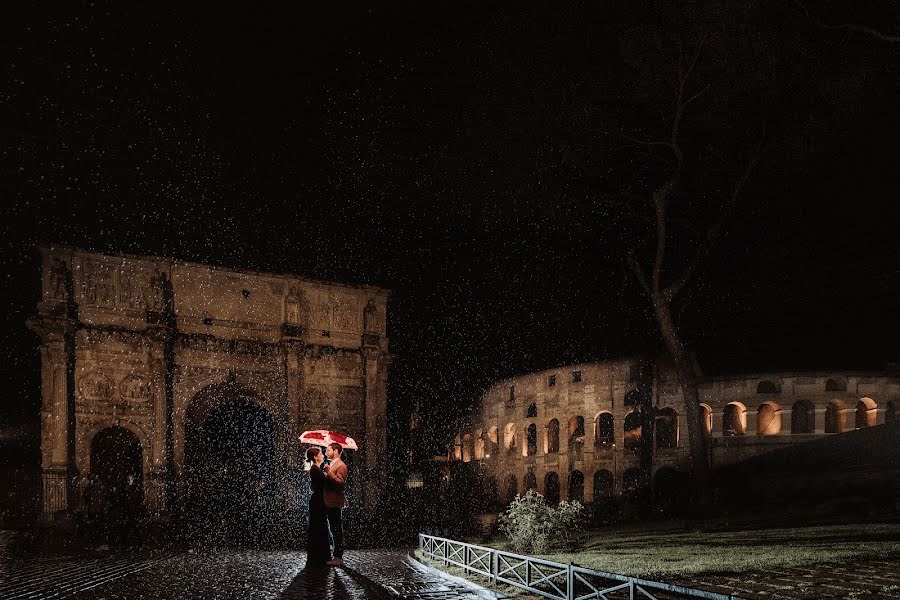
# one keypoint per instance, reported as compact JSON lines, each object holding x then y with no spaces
{"x":323,"y":437}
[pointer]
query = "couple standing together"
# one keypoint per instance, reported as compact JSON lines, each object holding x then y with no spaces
{"x":325,"y":504}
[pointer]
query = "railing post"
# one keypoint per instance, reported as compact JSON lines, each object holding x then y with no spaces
{"x":570,"y":583}
{"x":495,"y":568}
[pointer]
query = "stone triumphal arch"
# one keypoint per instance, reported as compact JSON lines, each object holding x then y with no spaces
{"x":144,"y":352}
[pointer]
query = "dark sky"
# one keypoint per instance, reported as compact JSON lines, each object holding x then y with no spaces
{"x":440,"y":149}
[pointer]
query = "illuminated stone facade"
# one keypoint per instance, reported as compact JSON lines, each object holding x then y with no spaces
{"x":575,"y":432}
{"x":148,"y":344}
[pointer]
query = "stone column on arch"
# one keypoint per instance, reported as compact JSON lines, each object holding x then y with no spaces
{"x":156,"y":488}
{"x":56,"y":461}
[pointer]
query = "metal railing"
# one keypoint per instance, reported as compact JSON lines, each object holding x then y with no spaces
{"x":557,"y":581}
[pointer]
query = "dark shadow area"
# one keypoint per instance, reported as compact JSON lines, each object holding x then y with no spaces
{"x":853,"y":474}
{"x":315,"y":583}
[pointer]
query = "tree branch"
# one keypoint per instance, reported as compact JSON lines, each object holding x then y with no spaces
{"x":865,"y":29}
{"x":635,"y":267}
{"x":714,"y":232}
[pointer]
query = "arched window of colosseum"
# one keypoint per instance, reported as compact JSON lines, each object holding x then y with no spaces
{"x":803,"y":419}
{"x":836,"y":385}
{"x":531,"y":439}
{"x":491,"y":494}
{"x":834,"y":417}
{"x":707,"y":419}
{"x":734,"y":419}
{"x":509,"y":438}
{"x":666,"y":428}
{"x":632,"y":483}
{"x":553,"y":436}
{"x":532,"y":411}
{"x":768,"y":419}
{"x":890,"y":412}
{"x":603,"y":485}
{"x":576,"y":433}
{"x":457,"y":448}
{"x":604,"y":430}
{"x":478,"y":441}
{"x":493,"y":442}
{"x":576,"y":487}
{"x":633,"y":431}
{"x":467,"y":448}
{"x":551,"y":488}
{"x":865,"y":413}
{"x":512,"y":488}
{"x":766,"y":387}
{"x":530,"y":481}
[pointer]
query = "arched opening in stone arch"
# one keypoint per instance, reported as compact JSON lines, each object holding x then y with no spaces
{"x":117,"y":474}
{"x":603,"y":485}
{"x":890,"y":412}
{"x":531,"y":413}
{"x":834,"y":417}
{"x":768,"y":419}
{"x":866,"y":413}
{"x":803,"y":417}
{"x":531,"y":439}
{"x":633,"y":432}
{"x":666,"y":428}
{"x":734,"y":419}
{"x":509,"y":438}
{"x":604,"y":430}
{"x":553,"y":436}
{"x":512,"y":488}
{"x":230,"y":467}
{"x":551,"y":488}
{"x":530,"y":481}
{"x":576,"y":487}
{"x":492,"y":446}
{"x":707,"y":419}
{"x":576,"y":433}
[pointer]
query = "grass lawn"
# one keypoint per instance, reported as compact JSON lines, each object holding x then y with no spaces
{"x":669,"y":552}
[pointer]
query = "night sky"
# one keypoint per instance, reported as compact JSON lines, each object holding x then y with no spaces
{"x":477,"y":159}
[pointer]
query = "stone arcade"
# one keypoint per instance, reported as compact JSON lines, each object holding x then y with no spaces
{"x":139,"y":350}
{"x":576,"y":432}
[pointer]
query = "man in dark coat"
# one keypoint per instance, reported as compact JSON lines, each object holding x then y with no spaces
{"x":335,"y":500}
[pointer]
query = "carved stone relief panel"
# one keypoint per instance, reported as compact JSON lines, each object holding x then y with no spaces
{"x":139,"y":288}
{"x":95,"y":385}
{"x":136,"y":386}
{"x":98,"y":286}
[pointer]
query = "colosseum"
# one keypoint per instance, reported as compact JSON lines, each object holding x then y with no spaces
{"x":575,"y":432}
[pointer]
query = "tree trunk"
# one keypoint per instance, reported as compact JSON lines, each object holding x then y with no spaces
{"x":688,"y":382}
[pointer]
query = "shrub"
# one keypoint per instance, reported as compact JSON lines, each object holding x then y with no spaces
{"x":532,"y":526}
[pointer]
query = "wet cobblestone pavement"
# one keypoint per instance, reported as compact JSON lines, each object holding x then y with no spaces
{"x":220,"y":574}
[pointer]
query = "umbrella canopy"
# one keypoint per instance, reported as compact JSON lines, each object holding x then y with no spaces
{"x":323,"y":437}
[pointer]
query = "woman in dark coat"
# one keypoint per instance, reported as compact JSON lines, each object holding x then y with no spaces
{"x":318,"y":550}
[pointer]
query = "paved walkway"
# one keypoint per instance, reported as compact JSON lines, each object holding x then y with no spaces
{"x":219,"y":574}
